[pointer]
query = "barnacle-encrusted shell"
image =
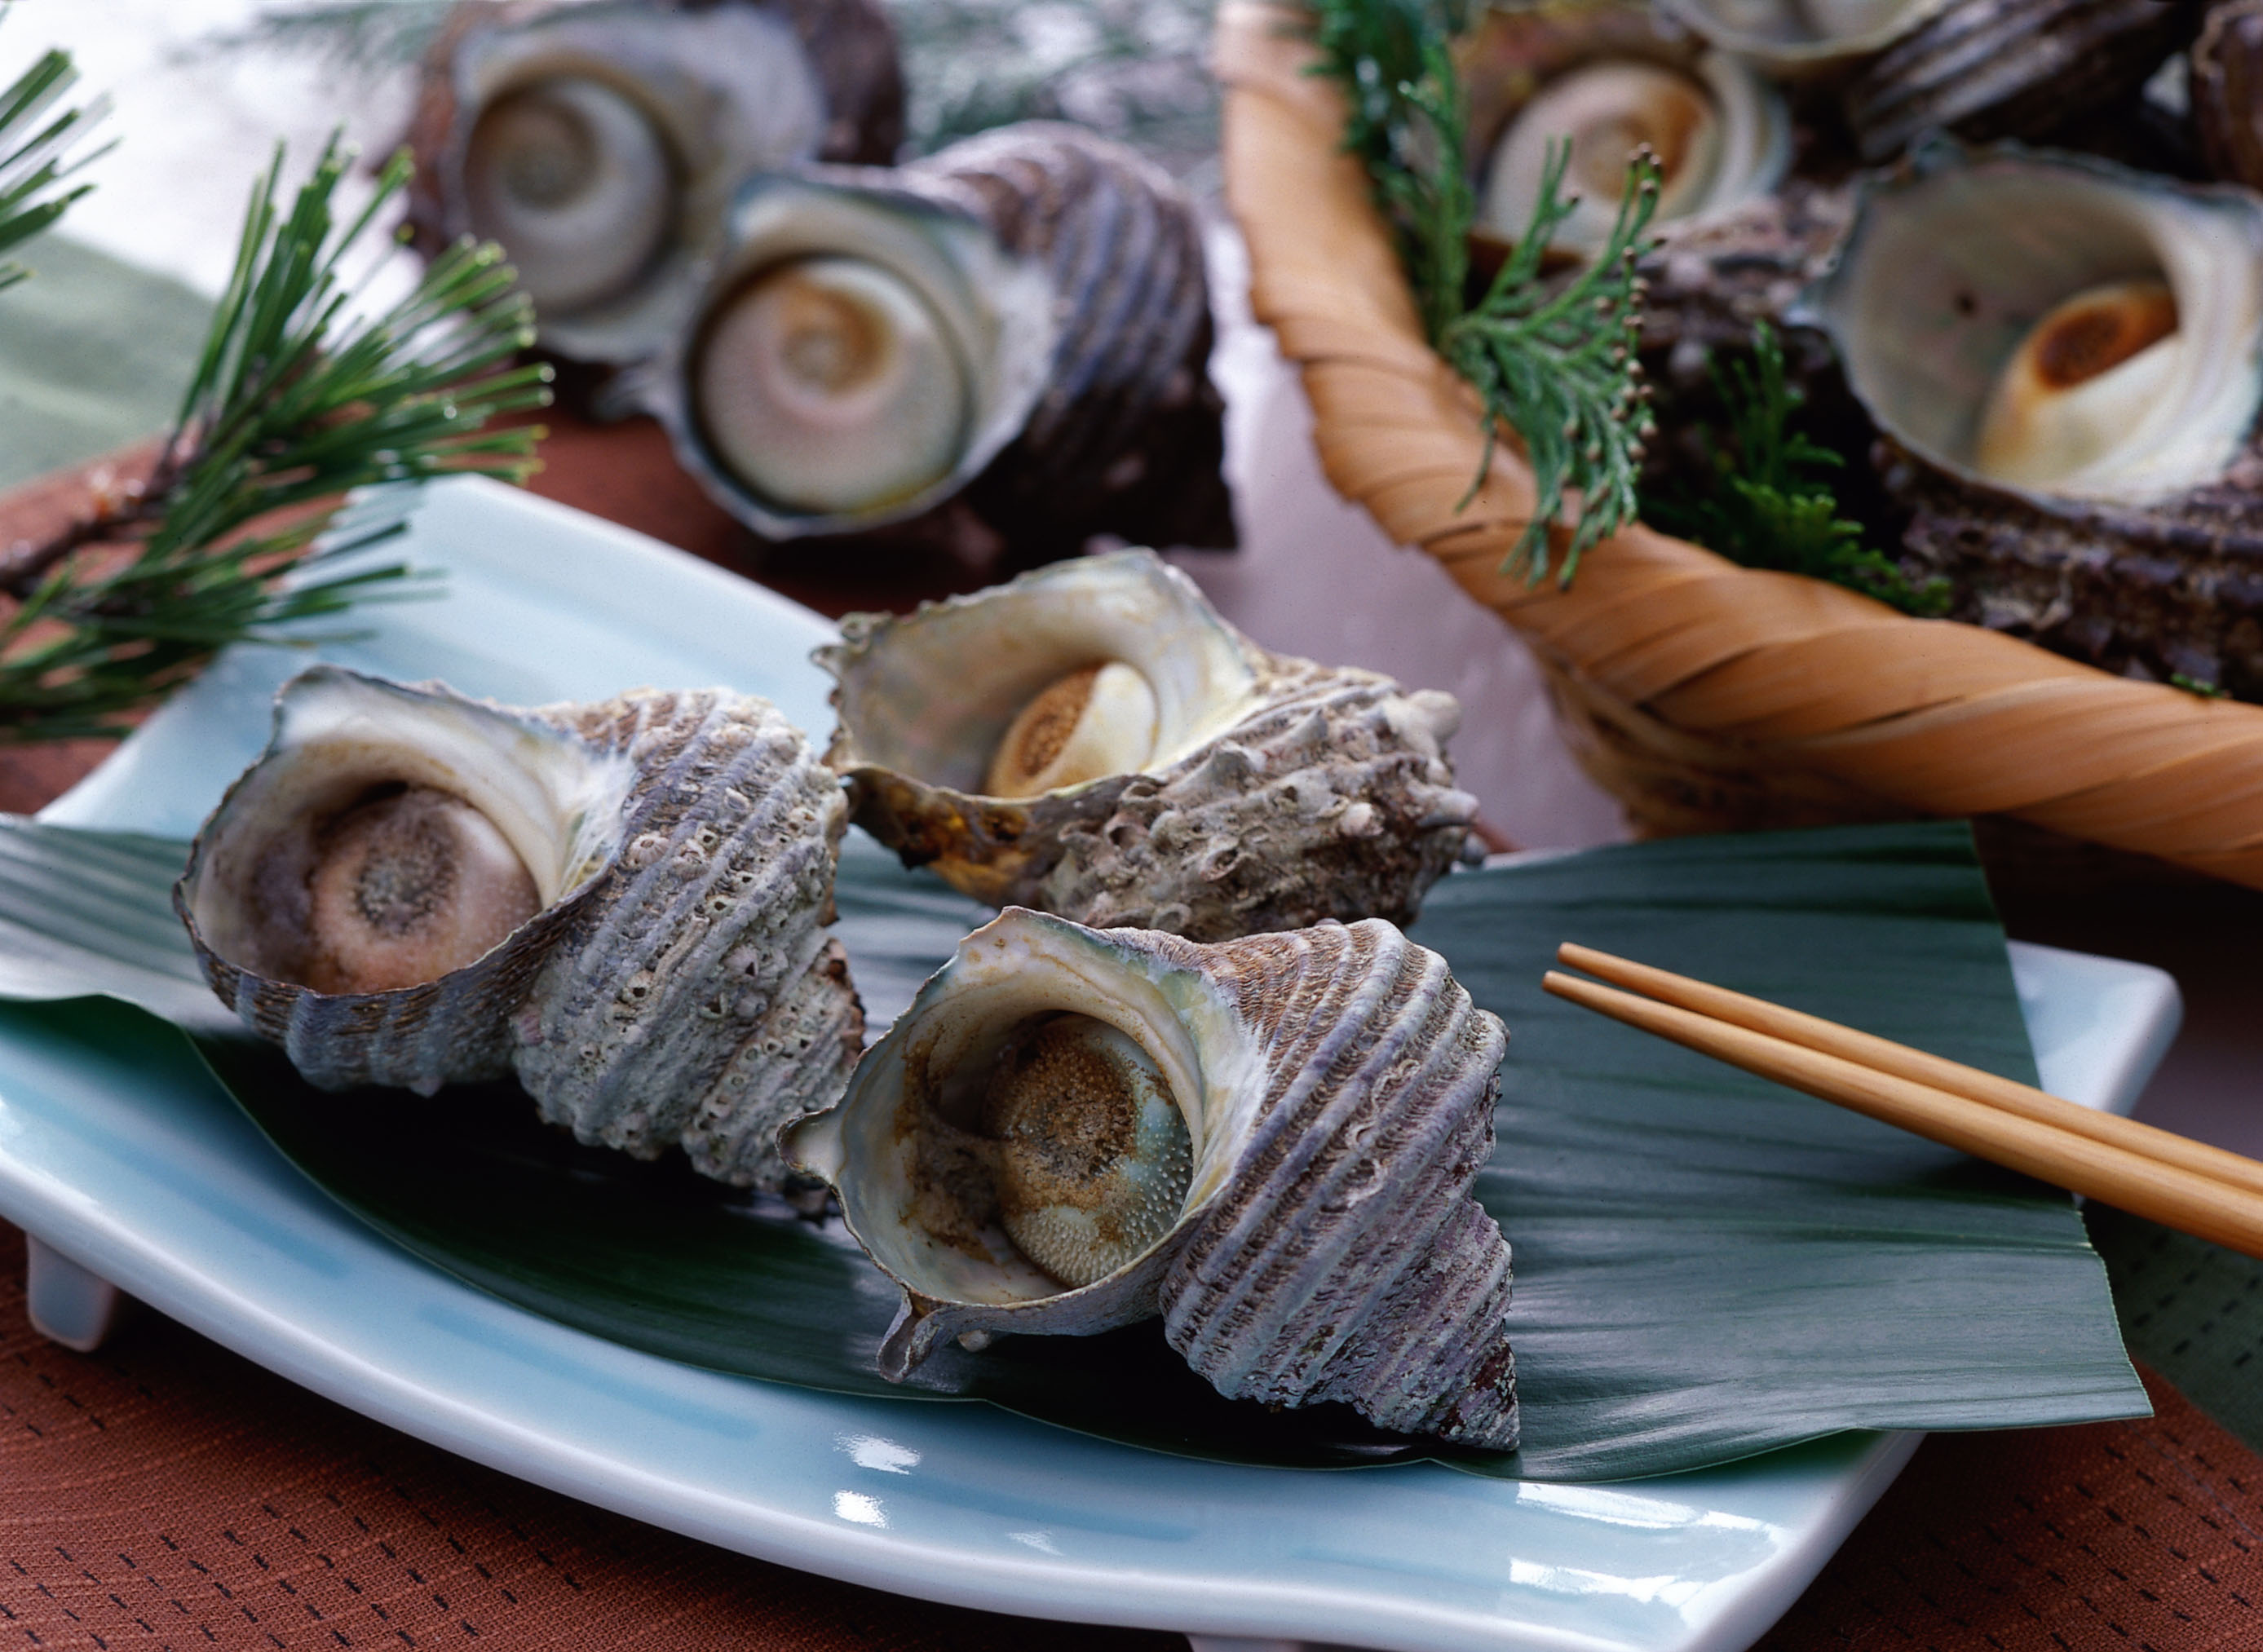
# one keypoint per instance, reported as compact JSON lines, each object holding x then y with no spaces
{"x":1336,"y":1086}
{"x":600,"y":142}
{"x":2010,"y":68}
{"x":2130,"y":541}
{"x":1021,"y":319}
{"x":1608,"y":77}
{"x":677,"y":984}
{"x":1274,"y":792}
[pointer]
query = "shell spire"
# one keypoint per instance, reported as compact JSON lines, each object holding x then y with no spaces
{"x":1337,"y":1087}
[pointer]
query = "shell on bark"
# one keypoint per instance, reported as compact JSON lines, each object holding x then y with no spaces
{"x":1337,"y":1088}
{"x":677,"y":984}
{"x":2226,"y":91}
{"x":1722,"y":134}
{"x":1063,"y":275}
{"x":1276,"y":792}
{"x":2010,"y":68}
{"x":601,"y":143}
{"x":2143,"y":559}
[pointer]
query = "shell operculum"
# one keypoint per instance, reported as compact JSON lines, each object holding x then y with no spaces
{"x":1269,"y":1142}
{"x":1092,"y":740}
{"x":2053,"y":325}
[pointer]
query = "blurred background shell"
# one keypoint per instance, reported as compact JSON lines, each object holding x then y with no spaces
{"x":1610,"y":77}
{"x":1333,"y":1092}
{"x":625,"y":902}
{"x":1801,"y":39}
{"x":1020,"y":321}
{"x":2226,"y":83}
{"x":1231,"y":791}
{"x":600,"y":142}
{"x":2011,"y":68}
{"x":2064,"y":358}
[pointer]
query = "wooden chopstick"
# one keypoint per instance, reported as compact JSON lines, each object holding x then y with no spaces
{"x":1870,"y":1050}
{"x":2169,"y":1194}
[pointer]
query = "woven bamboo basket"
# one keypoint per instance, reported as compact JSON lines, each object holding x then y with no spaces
{"x":1705,"y":695}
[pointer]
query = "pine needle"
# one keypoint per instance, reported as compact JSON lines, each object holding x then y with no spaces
{"x":36,"y":153}
{"x":1555,"y":365}
{"x":294,"y":400}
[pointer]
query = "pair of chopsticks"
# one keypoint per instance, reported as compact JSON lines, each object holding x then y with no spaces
{"x":2156,"y":1173}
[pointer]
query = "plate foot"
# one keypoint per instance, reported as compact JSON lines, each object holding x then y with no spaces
{"x":68,"y":1304}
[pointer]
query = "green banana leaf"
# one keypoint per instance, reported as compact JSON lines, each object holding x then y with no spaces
{"x":1708,"y":1266}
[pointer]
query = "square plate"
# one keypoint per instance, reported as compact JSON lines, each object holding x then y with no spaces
{"x":129,"y":1163}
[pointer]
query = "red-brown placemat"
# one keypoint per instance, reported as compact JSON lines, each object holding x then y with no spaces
{"x":168,"y":1494}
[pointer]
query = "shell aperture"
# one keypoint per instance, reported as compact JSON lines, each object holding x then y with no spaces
{"x":1093,"y":1157}
{"x":1098,"y":720}
{"x":1606,"y":110}
{"x":2082,"y":378}
{"x":578,"y":185}
{"x":408,"y":886}
{"x":829,"y":384}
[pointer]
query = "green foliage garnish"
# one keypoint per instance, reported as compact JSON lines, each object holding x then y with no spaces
{"x":35,"y":154}
{"x":2194,"y":685}
{"x":294,"y":400}
{"x":1770,"y":505}
{"x":1556,"y":364}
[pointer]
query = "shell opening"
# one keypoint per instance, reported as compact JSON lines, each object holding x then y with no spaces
{"x":2084,"y":373}
{"x":1047,"y":1112}
{"x":1097,"y":721}
{"x":1092,"y":1158}
{"x":576,"y":182}
{"x":407,"y":885}
{"x":830,"y":384}
{"x":1606,"y":110}
{"x":2056,"y":325}
{"x":391,"y":835}
{"x":947,"y":695}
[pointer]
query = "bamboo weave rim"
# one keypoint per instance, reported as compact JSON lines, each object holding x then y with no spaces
{"x":1707,"y":695}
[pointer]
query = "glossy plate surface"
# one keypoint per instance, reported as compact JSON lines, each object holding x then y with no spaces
{"x":127,"y":1161}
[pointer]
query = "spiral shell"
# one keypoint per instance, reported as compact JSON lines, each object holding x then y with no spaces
{"x":2065,"y":358}
{"x":1336,"y":1087}
{"x":1260,"y":792}
{"x":600,"y":142}
{"x":1606,"y":77}
{"x":1021,"y":319}
{"x":673,"y":982}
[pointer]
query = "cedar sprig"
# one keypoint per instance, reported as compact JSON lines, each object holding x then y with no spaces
{"x":1769,"y":504}
{"x":1552,"y":361}
{"x":39,"y":153}
{"x":295,"y":399}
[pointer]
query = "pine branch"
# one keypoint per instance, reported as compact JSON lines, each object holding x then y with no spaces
{"x":1555,"y":365}
{"x":294,"y":400}
{"x":36,"y":158}
{"x":1770,"y":505}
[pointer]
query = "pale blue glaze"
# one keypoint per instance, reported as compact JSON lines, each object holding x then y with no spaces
{"x":129,"y":1161}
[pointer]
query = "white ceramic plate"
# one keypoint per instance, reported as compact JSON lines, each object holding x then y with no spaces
{"x":125,"y":1164}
